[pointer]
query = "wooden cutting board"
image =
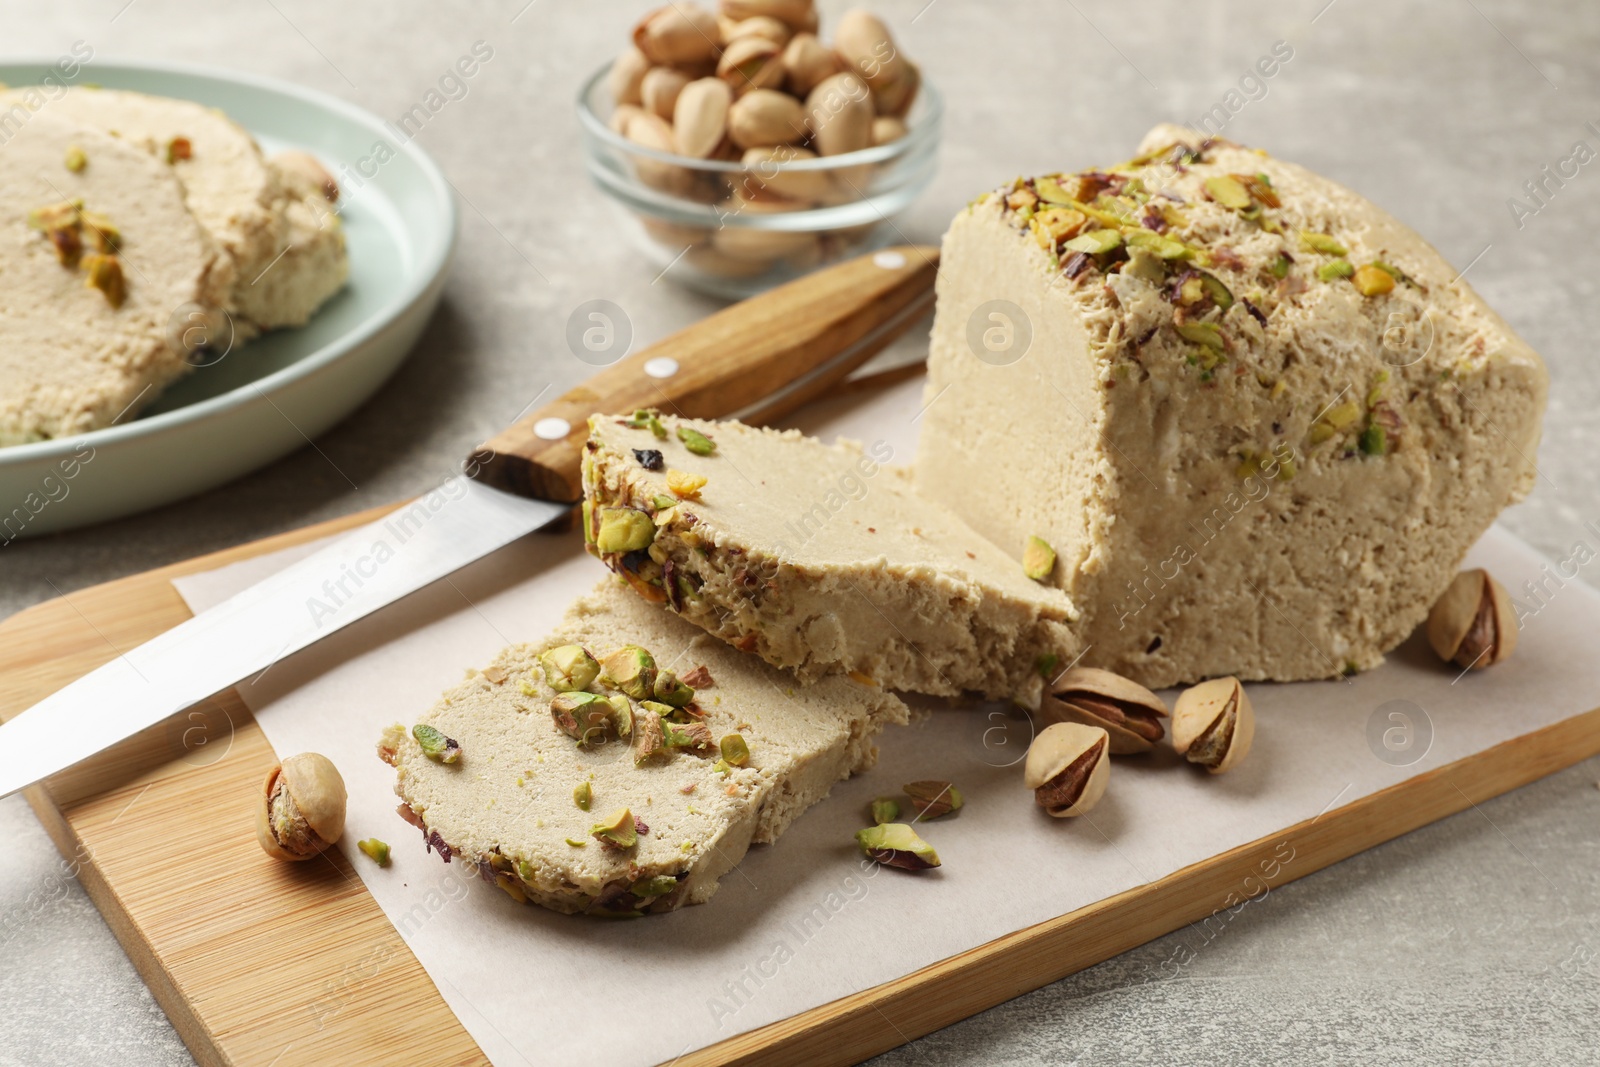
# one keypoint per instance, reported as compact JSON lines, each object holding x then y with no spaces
{"x":257,"y":962}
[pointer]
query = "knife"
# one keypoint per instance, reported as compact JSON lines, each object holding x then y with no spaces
{"x":755,"y":360}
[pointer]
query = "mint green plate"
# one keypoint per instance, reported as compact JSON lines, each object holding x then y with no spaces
{"x":268,"y":397}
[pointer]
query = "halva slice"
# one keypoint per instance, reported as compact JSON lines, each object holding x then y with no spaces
{"x":628,"y":761}
{"x":1258,"y":420}
{"x":244,"y":202}
{"x":314,"y":264}
{"x":817,"y":558}
{"x":100,"y":255}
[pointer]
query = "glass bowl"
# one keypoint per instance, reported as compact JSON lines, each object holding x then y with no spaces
{"x":731,"y":230}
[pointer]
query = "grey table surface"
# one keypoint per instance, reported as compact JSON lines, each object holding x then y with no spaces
{"x":1476,"y":939}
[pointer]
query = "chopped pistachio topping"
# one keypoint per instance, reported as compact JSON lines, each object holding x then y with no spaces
{"x":1321,"y":242}
{"x":895,"y":844}
{"x":1280,"y":266}
{"x":884,"y":810}
{"x":630,"y":669}
{"x":104,"y":273}
{"x":684,"y":485}
{"x":657,"y":886}
{"x":696,"y":442}
{"x":1046,"y":665}
{"x":1374,"y":441}
{"x":646,"y":418}
{"x":583,"y":795}
{"x":624,"y":530}
{"x":1229,"y":191}
{"x":575,"y":843}
{"x":1038,"y":559}
{"x":1095,"y":242}
{"x":1205,"y":334}
{"x":1373,"y":280}
{"x":435,"y":745}
{"x":569,"y":668}
{"x":670,"y":690}
{"x":375,"y":850}
{"x":735,"y":751}
{"x":1334,"y":270}
{"x":76,"y":159}
{"x":617,"y":831}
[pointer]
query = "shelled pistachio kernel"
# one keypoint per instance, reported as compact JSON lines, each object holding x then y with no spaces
{"x":695,"y":441}
{"x":76,"y":159}
{"x":586,"y":717}
{"x":1038,"y":559}
{"x":1372,"y":280}
{"x":624,"y":530}
{"x":933,"y":799}
{"x":884,"y":810}
{"x":735,"y":750}
{"x":1229,"y":191}
{"x":617,"y":831}
{"x":583,"y":795}
{"x":671,"y":690}
{"x":690,"y":736}
{"x":646,"y":419}
{"x":569,"y":668}
{"x":435,"y":745}
{"x":375,"y":850}
{"x":655,"y":886}
{"x":630,"y":669}
{"x":685,"y":486}
{"x":895,"y":844}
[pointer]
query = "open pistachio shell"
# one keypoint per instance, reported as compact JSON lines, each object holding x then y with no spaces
{"x":1474,"y":624}
{"x":1055,"y":752}
{"x":302,"y":807}
{"x":1213,"y":724}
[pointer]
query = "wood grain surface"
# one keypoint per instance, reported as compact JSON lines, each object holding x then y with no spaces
{"x":260,"y":962}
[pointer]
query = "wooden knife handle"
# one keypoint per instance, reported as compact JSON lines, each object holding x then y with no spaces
{"x":756,"y":360}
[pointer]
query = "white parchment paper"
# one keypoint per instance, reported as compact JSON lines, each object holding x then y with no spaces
{"x":804,"y":922}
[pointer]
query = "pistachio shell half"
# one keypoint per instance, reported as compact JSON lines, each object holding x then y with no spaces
{"x":302,"y":807}
{"x":1128,"y":712}
{"x":1068,"y":768}
{"x":1474,"y":624}
{"x":1213,"y":724}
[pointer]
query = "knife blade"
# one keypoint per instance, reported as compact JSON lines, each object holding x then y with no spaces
{"x":758,"y":359}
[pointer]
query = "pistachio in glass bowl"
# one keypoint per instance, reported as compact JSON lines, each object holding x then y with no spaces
{"x":741,"y":151}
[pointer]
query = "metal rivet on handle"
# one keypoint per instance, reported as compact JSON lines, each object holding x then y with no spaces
{"x":551,"y":429}
{"x":890,"y":260}
{"x":661,"y":367}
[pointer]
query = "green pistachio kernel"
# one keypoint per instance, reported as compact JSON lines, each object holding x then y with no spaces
{"x":735,"y":751}
{"x":617,"y":831}
{"x":1046,"y":665}
{"x":1038,"y":558}
{"x":658,"y":886}
{"x":1229,"y":192}
{"x":669,"y":689}
{"x":693,"y":736}
{"x":575,"y":842}
{"x":621,"y":713}
{"x":1205,"y":334}
{"x":375,"y":850}
{"x":1280,"y":266}
{"x":1332,"y":271}
{"x":895,"y":844}
{"x":662,"y":502}
{"x":435,"y":745}
{"x":630,"y":669}
{"x":584,"y":716}
{"x":624,"y":530}
{"x":1159,"y":244}
{"x":645,"y":418}
{"x":1095,"y":242}
{"x":569,"y":668}
{"x":885,"y":810}
{"x":1321,"y":242}
{"x":1220,"y":294}
{"x":583,"y":795}
{"x":1374,"y":441}
{"x":696,"y":442}
{"x":76,"y":159}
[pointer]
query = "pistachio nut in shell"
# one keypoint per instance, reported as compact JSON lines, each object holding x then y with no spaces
{"x":887,"y":129}
{"x":772,"y":29}
{"x":751,"y":63}
{"x":1213,"y":724}
{"x":865,"y":44}
{"x":660,"y":88}
{"x":700,"y":118}
{"x":654,"y":132}
{"x":627,"y":72}
{"x":302,"y":807}
{"x":1068,"y":768}
{"x":765,"y":117}
{"x":839,"y":113}
{"x":798,"y":14}
{"x":896,"y":97}
{"x":766,"y":177}
{"x":621,"y":116}
{"x":678,"y":34}
{"x":754,"y":245}
{"x":807,"y":62}
{"x":1128,"y":712}
{"x":1473,"y":624}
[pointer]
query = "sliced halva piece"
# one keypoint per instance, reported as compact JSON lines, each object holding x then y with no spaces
{"x":1260,"y":420}
{"x":819,"y":558}
{"x":314,"y":264}
{"x":74,"y":357}
{"x":507,"y":801}
{"x":244,"y":202}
